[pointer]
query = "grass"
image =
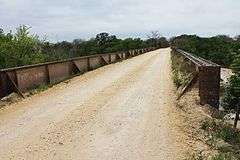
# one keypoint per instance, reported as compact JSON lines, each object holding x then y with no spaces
{"x":221,"y":130}
{"x":182,"y":70}
{"x":224,"y":156}
{"x":197,"y":156}
{"x":180,"y":78}
{"x":222,"y":137}
{"x":42,"y":87}
{"x":39,"y":88}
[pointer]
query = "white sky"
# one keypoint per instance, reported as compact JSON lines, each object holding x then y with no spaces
{"x":70,"y":19}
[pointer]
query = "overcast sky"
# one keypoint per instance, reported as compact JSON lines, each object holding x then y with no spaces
{"x":70,"y":19}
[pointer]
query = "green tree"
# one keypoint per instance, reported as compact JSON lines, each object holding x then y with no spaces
{"x":19,"y":49}
{"x":231,"y":101}
{"x":23,"y":48}
{"x":236,"y":64}
{"x":104,"y":40}
{"x":220,"y":49}
{"x":156,"y":40}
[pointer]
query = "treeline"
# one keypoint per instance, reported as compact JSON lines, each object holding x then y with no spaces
{"x":220,"y":49}
{"x":24,"y":48}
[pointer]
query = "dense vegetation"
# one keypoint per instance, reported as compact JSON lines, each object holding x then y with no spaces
{"x":219,"y":49}
{"x":221,"y":137}
{"x":231,"y":99}
{"x":23,"y":48}
{"x":19,"y":48}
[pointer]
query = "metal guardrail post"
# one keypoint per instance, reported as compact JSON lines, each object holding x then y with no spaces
{"x":3,"y":85}
{"x":209,"y":85}
{"x":88,"y":64}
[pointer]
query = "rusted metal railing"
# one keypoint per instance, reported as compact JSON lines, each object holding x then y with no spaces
{"x":25,"y":78}
{"x":208,"y":76}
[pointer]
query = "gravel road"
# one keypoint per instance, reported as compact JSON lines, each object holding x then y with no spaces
{"x":118,"y":112}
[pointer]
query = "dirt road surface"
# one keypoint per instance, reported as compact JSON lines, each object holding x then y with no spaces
{"x":118,"y":112}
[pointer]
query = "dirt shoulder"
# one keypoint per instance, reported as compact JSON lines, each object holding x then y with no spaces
{"x":192,"y":114}
{"x":211,"y":137}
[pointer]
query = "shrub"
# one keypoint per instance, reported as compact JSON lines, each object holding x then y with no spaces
{"x":231,"y":100}
{"x":224,"y":156}
{"x":220,"y":130}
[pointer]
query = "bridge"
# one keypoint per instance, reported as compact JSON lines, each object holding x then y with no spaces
{"x":118,"y":111}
